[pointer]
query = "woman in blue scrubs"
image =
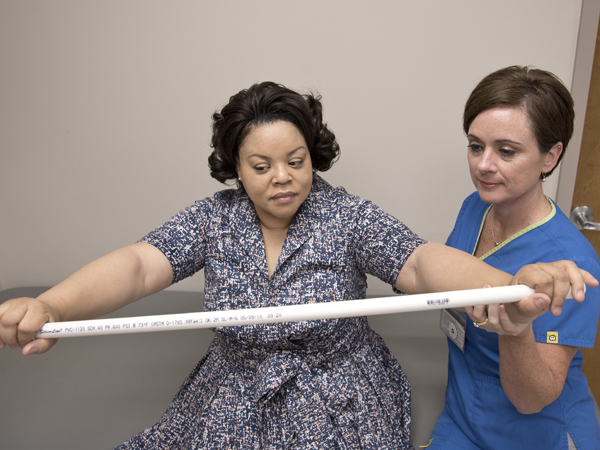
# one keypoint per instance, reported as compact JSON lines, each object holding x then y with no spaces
{"x":519,"y":386}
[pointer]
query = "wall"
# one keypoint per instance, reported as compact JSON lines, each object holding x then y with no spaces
{"x":105,"y":106}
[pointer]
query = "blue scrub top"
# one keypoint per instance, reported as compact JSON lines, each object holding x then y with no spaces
{"x":477,"y":413}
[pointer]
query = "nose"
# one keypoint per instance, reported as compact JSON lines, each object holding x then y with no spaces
{"x":487,"y":161}
{"x":281,"y":174}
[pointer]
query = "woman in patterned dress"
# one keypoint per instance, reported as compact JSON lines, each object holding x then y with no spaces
{"x":283,"y":236}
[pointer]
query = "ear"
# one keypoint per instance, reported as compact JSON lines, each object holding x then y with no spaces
{"x":552,"y":157}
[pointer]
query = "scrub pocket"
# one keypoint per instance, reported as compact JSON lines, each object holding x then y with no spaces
{"x":448,"y":436}
{"x":498,"y":424}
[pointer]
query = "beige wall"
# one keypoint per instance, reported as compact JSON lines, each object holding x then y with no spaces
{"x":105,"y":106}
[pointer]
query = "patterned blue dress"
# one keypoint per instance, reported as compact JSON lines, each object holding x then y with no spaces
{"x":321,"y":384}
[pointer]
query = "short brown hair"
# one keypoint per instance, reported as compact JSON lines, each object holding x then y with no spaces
{"x":543,"y":96}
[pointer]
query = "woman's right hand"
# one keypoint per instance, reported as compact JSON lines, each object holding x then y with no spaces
{"x":20,"y":319}
{"x":101,"y":287}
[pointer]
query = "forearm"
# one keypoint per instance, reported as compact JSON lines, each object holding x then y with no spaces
{"x":109,"y":283}
{"x":435,"y":267}
{"x":527,"y":380}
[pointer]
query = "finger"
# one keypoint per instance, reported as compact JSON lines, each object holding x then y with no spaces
{"x":551,"y":279}
{"x":564,"y":274}
{"x":505,"y":323}
{"x":528,"y":309}
{"x":535,"y":305}
{"x":31,"y":323}
{"x":9,"y":321}
{"x":21,"y":319}
{"x":493,"y":316}
{"x":470,"y":310}
{"x":480,"y":313}
{"x":589,"y":279}
{"x":559,"y":289}
{"x":503,"y":315}
{"x":27,"y":328}
{"x":3,"y":343}
{"x":533,"y":276}
{"x":578,"y":290}
{"x":576,"y":279}
{"x":38,"y":346}
{"x":4,"y":307}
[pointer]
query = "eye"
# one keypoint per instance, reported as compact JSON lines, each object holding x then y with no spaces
{"x":297,"y":163}
{"x":507,"y":152}
{"x":261,"y":169}
{"x":475,"y":148}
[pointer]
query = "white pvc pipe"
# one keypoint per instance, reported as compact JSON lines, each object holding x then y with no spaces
{"x":291,"y":313}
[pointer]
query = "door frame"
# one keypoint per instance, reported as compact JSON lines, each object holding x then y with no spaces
{"x":580,"y":87}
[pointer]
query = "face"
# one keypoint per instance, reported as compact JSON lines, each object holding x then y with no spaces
{"x":504,"y":159}
{"x":276,"y":170}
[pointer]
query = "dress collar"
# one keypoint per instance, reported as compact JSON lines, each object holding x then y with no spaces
{"x":245,"y":226}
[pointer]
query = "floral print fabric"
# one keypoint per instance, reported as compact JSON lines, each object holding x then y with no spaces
{"x":322,"y":384}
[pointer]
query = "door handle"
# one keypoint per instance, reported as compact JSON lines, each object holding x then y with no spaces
{"x":583,"y":218}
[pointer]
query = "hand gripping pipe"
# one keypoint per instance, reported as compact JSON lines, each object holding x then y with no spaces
{"x":291,"y":313}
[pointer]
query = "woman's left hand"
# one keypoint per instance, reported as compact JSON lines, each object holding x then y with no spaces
{"x":551,"y":282}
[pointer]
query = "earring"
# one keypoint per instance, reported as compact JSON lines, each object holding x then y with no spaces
{"x":543,"y":177}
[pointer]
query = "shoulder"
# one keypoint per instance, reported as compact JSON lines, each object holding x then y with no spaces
{"x":473,"y":205}
{"x":468,"y":220}
{"x":472,"y":208}
{"x":219,"y":201}
{"x":221,"y":204}
{"x":570,"y":243}
{"x":323,"y":191}
{"x":226,"y":197}
{"x":230,"y":202}
{"x":333,"y":200}
{"x":339,"y":197}
{"x":335,"y":208}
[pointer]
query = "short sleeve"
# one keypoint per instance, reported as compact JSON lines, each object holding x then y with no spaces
{"x":182,"y":239}
{"x":578,"y":323}
{"x":383,"y":243}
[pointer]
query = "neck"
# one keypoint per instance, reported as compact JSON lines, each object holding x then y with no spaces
{"x":274,"y":224}
{"x":509,"y":219}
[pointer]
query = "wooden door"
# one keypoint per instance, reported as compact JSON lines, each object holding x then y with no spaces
{"x":587,"y":192}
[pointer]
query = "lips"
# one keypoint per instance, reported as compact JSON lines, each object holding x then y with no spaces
{"x":488,"y":185}
{"x":284,"y":197}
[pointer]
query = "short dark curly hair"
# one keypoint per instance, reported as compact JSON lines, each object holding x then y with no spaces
{"x":264,"y":103}
{"x":543,"y":96}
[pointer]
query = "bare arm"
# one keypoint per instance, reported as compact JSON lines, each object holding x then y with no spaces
{"x":435,"y":267}
{"x":532,"y":374}
{"x":103,"y":286}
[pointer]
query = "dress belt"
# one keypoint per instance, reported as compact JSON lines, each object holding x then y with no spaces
{"x":272,"y":368}
{"x":303,"y":411}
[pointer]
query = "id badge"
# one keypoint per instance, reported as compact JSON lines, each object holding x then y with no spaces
{"x":453,"y":324}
